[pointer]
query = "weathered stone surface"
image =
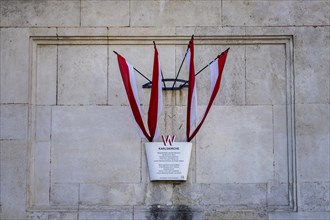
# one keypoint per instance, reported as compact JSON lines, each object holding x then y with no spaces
{"x":312,"y":65}
{"x":13,"y":179}
{"x":210,"y":30}
{"x":46,"y":75}
{"x":141,"y":31}
{"x":274,"y":13}
{"x":241,"y":213}
{"x":220,"y":194}
{"x":82,"y":74}
{"x":41,"y":177}
{"x":63,"y":215}
{"x":105,"y":13}
{"x":52,"y":215}
{"x":265,"y":74}
{"x":82,"y":31}
{"x":167,"y":212}
{"x":14,"y":121}
{"x":40,"y":13}
{"x":110,"y":213}
{"x":281,"y":125}
{"x":238,"y":144}
{"x":315,"y":196}
{"x":43,"y":123}
{"x":112,"y":194}
{"x":313,"y":151}
{"x":278,"y":194}
{"x":14,"y":65}
{"x":174,"y":13}
{"x":64,"y":194}
{"x":159,"y":193}
{"x":94,"y":144}
{"x":299,"y":215}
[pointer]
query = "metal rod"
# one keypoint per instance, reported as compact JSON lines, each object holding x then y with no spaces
{"x":185,"y":55}
{"x":205,"y":67}
{"x":137,"y":70}
{"x":163,"y":79}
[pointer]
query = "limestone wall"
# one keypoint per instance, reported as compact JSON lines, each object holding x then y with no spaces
{"x":69,"y":148}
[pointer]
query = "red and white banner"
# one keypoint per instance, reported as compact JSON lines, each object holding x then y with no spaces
{"x":192,"y":89}
{"x":216,"y":69}
{"x":156,"y":99}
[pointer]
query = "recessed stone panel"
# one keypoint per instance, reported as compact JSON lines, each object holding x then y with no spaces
{"x":82,"y":75}
{"x":46,"y":80}
{"x":112,"y":194}
{"x":238,"y":144}
{"x":265,"y":74}
{"x":94,"y":145}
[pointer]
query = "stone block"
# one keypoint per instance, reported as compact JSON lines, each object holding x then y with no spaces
{"x":46,"y":78}
{"x":14,"y":44}
{"x":159,"y":193}
{"x":299,"y":215}
{"x":64,"y":194}
{"x":63,"y":216}
{"x":238,"y":144}
{"x":141,"y":31}
{"x":42,"y":31}
{"x":221,"y":194}
{"x":59,"y":215}
{"x":168,"y":212}
{"x":43,"y":123}
{"x":14,"y":121}
{"x":94,"y":144}
{"x":315,"y":196}
{"x":312,"y":140}
{"x":40,"y":13}
{"x":210,"y":31}
{"x":122,"y":213}
{"x":82,"y":31}
{"x":274,"y":13}
{"x":239,"y":213}
{"x":133,"y":55}
{"x":105,"y":13}
{"x":13,"y":179}
{"x":41,"y":171}
{"x":278,"y":194}
{"x":120,"y":194}
{"x":312,"y":65}
{"x":281,"y":141}
{"x":265,"y":74}
{"x":82,"y":74}
{"x":175,"y":13}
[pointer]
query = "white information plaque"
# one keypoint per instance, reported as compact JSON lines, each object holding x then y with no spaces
{"x":169,"y":162}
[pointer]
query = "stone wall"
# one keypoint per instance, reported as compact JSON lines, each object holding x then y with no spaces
{"x":69,"y":148}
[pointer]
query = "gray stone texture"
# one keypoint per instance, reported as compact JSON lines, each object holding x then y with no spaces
{"x":15,"y":63}
{"x":68,"y":144}
{"x":82,"y":75}
{"x":13,"y":121}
